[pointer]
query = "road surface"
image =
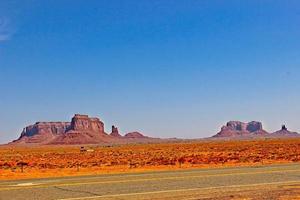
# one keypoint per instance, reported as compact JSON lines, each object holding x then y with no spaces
{"x":267,"y":182}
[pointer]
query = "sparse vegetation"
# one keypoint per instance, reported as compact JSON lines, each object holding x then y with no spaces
{"x":61,"y":160}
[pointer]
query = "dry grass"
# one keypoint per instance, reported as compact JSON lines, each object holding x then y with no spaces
{"x":53,"y":161}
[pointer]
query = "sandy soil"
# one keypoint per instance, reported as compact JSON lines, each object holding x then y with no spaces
{"x":55,"y":161}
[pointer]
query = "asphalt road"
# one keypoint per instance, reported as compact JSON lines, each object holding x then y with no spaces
{"x":268,"y":182}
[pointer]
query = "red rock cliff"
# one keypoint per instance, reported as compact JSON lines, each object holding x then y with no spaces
{"x":81,"y":130}
{"x":238,"y":129}
{"x":54,"y":128}
{"x":84,"y":123}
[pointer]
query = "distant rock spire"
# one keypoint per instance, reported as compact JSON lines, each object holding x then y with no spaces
{"x":284,"y":132}
{"x":284,"y":128}
{"x":115,"y":132}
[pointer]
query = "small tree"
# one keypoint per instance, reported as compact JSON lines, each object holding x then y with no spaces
{"x":181,"y":161}
{"x":21,"y":165}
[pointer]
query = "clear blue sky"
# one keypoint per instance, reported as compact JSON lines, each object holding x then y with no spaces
{"x":166,"y":68}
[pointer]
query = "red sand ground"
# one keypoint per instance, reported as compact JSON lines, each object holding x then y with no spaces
{"x":55,"y":161}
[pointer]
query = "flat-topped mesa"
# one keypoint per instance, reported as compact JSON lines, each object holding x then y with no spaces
{"x":241,"y":129}
{"x":54,"y":128}
{"x":42,"y":132}
{"x":115,"y":132}
{"x":84,"y":123}
{"x":81,"y":130}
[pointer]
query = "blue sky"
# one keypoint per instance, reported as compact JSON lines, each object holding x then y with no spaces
{"x":166,"y":68}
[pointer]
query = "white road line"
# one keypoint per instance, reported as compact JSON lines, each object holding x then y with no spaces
{"x":151,"y":179}
{"x":26,"y":184}
{"x":186,"y":171}
{"x":178,"y":190}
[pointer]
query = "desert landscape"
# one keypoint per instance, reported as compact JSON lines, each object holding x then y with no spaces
{"x":49,"y":161}
{"x":174,"y":161}
{"x":82,"y":147}
{"x":149,"y":100}
{"x":79,"y":157}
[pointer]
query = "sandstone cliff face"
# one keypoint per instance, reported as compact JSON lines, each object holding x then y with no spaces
{"x":42,"y":132}
{"x":84,"y":123}
{"x":81,"y":130}
{"x":240,"y":129}
{"x":54,"y":128}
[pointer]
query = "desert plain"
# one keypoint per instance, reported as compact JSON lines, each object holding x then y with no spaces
{"x":23,"y":162}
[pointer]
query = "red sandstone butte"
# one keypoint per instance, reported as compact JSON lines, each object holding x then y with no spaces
{"x":237,"y":129}
{"x":115,"y":132}
{"x":81,"y":130}
{"x":240,"y":129}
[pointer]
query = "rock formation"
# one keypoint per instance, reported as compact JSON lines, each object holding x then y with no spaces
{"x":84,"y":123}
{"x":43,"y":132}
{"x":240,"y":129}
{"x":81,"y":130}
{"x":284,"y":132}
{"x":135,"y":135}
{"x":115,"y":132}
{"x":236,"y":129}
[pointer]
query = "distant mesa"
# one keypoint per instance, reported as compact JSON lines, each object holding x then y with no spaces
{"x":87,"y":130}
{"x":135,"y":135}
{"x":81,"y":130}
{"x":241,"y":129}
{"x":131,"y":135}
{"x":237,"y":129}
{"x":43,"y":132}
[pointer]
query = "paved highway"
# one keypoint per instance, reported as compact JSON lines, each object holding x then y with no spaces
{"x":268,"y":182}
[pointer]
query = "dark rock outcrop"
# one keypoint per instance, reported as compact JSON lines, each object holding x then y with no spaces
{"x":240,"y":129}
{"x":115,"y":132}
